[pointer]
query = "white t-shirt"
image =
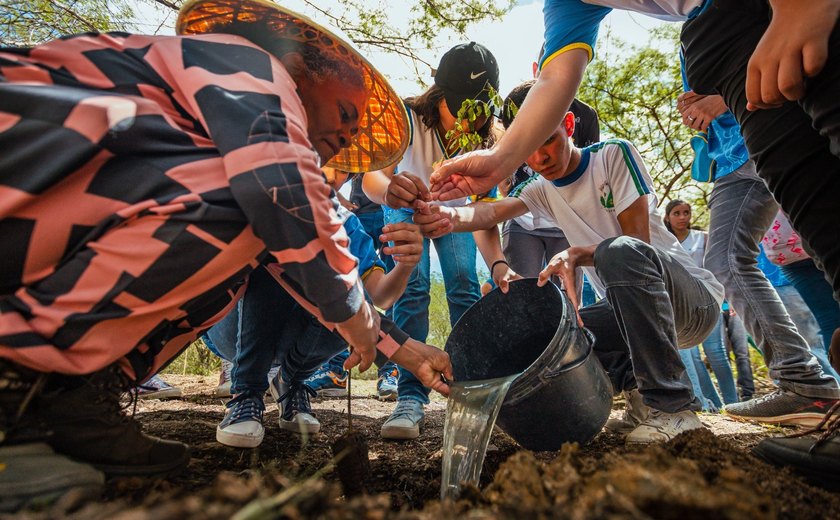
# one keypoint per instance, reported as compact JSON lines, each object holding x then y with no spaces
{"x":586,"y":204}
{"x":695,"y":245}
{"x":425,"y":148}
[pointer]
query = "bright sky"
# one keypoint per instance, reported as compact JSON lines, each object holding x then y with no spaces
{"x":515,"y":42}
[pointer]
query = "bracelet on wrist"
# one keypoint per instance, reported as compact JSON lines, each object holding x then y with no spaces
{"x":497,"y":262}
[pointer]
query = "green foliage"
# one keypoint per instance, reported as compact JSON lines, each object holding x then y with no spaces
{"x":464,"y":136}
{"x":29,"y":22}
{"x":634,"y":90}
{"x":439,"y":326}
{"x":195,"y":360}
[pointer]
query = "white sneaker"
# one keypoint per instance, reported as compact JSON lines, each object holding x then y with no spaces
{"x":242,"y":426}
{"x":662,"y":427}
{"x":405,"y":421}
{"x":635,"y":412}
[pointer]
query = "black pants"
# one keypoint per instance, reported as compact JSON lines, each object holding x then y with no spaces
{"x":796,"y":147}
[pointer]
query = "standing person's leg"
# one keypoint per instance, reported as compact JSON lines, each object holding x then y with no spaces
{"x":741,"y":210}
{"x":653,"y":297}
{"x":704,"y":380}
{"x":737,"y":336}
{"x":457,"y":254}
{"x":812,"y":286}
{"x":805,"y":322}
{"x":715,"y":352}
{"x":689,"y":358}
{"x":411,"y":314}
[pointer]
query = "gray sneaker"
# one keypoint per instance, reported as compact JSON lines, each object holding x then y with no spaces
{"x":405,"y":421}
{"x":33,"y":475}
{"x":781,"y":407}
{"x":662,"y":427}
{"x":635,"y":412}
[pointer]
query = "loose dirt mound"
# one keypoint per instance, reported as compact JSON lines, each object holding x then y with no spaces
{"x":698,"y":475}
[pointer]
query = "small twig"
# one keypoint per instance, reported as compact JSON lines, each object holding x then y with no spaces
{"x":349,"y":414}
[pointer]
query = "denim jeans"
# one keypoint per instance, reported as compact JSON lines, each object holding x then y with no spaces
{"x":653,"y":307}
{"x":268,"y":328}
{"x":741,"y":211}
{"x":736,"y":340}
{"x":796,"y":146}
{"x":715,"y":351}
{"x":695,"y":369}
{"x":812,"y":286}
{"x":457,"y":253}
{"x":806,"y":324}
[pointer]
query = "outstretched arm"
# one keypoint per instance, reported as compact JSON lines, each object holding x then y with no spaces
{"x":436,"y":221}
{"x":543,"y":110}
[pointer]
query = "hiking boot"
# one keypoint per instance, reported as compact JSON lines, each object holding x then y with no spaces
{"x":32,"y":475}
{"x":405,"y":422}
{"x":818,"y":460}
{"x":242,"y":426}
{"x":86,"y":422}
{"x":293,"y":403}
{"x":223,"y":388}
{"x":781,"y":407}
{"x":325,"y":382}
{"x":662,"y":426}
{"x":386,"y":385}
{"x":157,"y":388}
{"x":635,"y":412}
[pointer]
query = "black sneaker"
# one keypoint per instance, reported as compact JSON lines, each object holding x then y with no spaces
{"x":781,"y":407}
{"x":293,"y":403}
{"x":86,"y":422}
{"x":817,"y":460}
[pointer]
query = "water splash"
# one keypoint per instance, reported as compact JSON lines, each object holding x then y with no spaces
{"x":470,"y":416}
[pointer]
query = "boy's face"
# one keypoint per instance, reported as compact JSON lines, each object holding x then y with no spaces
{"x":552,"y":159}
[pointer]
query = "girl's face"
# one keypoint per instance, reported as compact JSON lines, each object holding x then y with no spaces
{"x":680,"y":217}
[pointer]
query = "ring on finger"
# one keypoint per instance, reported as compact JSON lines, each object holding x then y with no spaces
{"x":690,"y":118}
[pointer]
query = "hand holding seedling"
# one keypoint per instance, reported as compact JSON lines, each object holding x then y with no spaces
{"x":404,"y":189}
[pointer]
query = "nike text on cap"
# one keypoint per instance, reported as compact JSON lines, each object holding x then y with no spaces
{"x":464,"y":73}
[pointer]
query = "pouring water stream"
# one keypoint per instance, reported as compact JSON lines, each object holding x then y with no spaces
{"x":470,"y":416}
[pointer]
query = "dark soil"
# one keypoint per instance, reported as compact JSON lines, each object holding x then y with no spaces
{"x":701,"y":475}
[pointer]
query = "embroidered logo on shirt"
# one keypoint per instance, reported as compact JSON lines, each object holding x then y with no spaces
{"x":606,"y":197}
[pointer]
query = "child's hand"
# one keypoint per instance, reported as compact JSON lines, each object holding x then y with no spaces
{"x":795,"y":46}
{"x":404,"y":189}
{"x":407,"y":240}
{"x":434,"y":221}
{"x":503,"y":275}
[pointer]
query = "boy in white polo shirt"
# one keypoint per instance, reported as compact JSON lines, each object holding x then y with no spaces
{"x":657,"y":299}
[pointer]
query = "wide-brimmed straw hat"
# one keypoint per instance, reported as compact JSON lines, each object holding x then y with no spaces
{"x":383,"y":128}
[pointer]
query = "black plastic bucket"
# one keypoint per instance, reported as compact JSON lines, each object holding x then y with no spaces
{"x":563,"y":393}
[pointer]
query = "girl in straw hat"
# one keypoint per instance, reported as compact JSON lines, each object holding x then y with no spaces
{"x":142,"y":178}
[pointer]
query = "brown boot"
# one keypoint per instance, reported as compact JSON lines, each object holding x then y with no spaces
{"x":86,"y":422}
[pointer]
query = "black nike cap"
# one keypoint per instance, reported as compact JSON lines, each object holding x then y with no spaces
{"x":464,"y":72}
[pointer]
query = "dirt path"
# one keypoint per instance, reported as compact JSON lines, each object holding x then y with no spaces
{"x":696,"y":476}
